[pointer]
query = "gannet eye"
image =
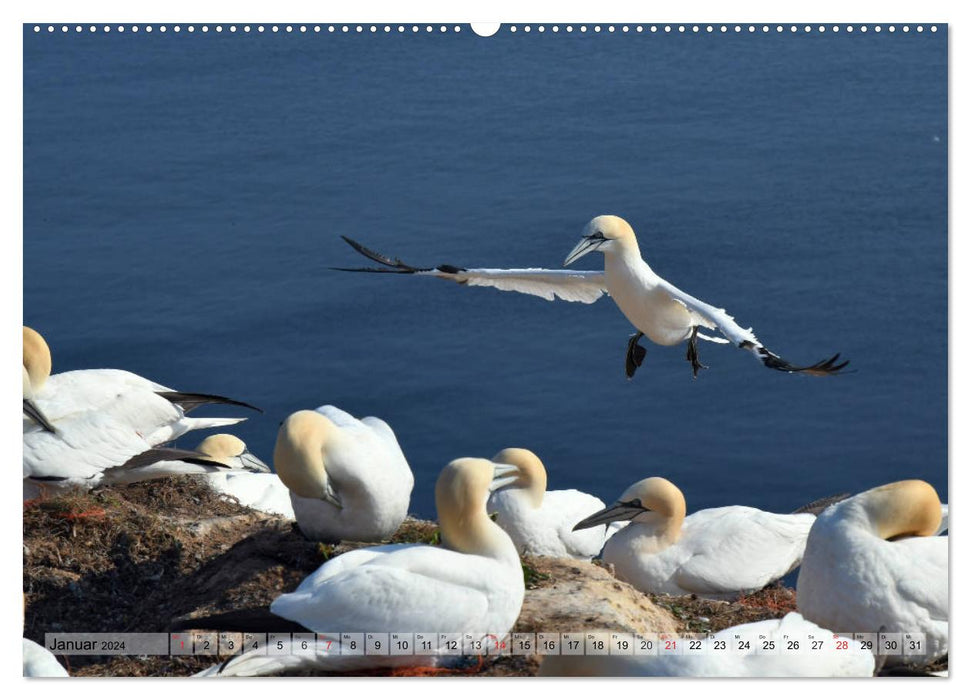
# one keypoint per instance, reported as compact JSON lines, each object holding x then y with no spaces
{"x":598,"y":236}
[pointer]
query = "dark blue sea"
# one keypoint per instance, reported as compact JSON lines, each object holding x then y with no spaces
{"x":185,"y":194}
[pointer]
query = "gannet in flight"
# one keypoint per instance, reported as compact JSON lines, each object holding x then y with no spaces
{"x":249,"y":482}
{"x":40,"y":663}
{"x":540,"y":522}
{"x":656,"y":308}
{"x":472,"y":583}
{"x":782,"y":661}
{"x":873,"y":564}
{"x":348,"y":478}
{"x":716,"y":553}
{"x":157,"y":413}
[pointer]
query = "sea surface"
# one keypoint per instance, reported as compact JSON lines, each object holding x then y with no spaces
{"x":185,"y":194}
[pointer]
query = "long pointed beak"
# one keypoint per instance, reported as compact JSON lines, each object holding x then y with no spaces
{"x":503,"y":475}
{"x":253,"y":463}
{"x":586,"y":245}
{"x":331,"y":496}
{"x":610,"y":514}
{"x":30,"y":408}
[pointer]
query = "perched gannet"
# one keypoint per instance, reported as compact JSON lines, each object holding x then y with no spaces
{"x":93,"y":449}
{"x":656,"y":308}
{"x":872,"y":564}
{"x":348,"y":478}
{"x":472,"y":583}
{"x":754,"y":662}
{"x":249,"y":482}
{"x":40,"y":663}
{"x":156,"y":412}
{"x":540,"y":522}
{"x":715,"y":553}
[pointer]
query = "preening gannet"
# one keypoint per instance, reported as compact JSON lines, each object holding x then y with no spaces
{"x":250,"y":482}
{"x":348,"y":478}
{"x":472,"y":583}
{"x":786,"y":662}
{"x":872,"y":564}
{"x":715,"y":553}
{"x":40,"y":663}
{"x":656,"y":308}
{"x":540,"y":522}
{"x":157,"y":413}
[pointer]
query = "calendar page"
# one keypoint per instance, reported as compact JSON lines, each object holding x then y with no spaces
{"x":520,"y":349}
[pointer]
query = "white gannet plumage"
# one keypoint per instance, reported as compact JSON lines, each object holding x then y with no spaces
{"x":348,"y":478}
{"x":873,"y":563}
{"x":656,"y":308}
{"x":829,"y":662}
{"x":40,"y":663}
{"x":715,"y":553}
{"x":472,"y":583}
{"x":157,"y":413}
{"x":540,"y":522}
{"x":250,"y":482}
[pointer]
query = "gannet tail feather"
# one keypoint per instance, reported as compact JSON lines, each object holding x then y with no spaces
{"x":189,"y":401}
{"x":31,"y":410}
{"x":820,"y":504}
{"x":568,"y":285}
{"x":244,"y":620}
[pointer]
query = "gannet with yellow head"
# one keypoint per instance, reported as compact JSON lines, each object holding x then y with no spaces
{"x":656,"y":308}
{"x":714,"y":553}
{"x":874,"y":563}
{"x":348,"y":478}
{"x":540,"y":522}
{"x":157,"y":413}
{"x":472,"y":583}
{"x":250,"y":481}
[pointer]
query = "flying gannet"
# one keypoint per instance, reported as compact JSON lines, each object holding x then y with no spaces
{"x":540,"y":522}
{"x":157,"y":413}
{"x":779,"y":661}
{"x":249,"y":481}
{"x":656,"y":308}
{"x":873,"y":564}
{"x":472,"y":583}
{"x":348,"y":478}
{"x":716,"y":553}
{"x":40,"y":663}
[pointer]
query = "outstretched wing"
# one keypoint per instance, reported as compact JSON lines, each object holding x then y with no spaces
{"x":568,"y":285}
{"x":708,"y":316}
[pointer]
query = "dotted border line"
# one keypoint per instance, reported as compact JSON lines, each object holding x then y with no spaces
{"x":512,"y":29}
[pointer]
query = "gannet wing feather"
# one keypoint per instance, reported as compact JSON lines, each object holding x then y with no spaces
{"x":569,"y":285}
{"x":711,"y":317}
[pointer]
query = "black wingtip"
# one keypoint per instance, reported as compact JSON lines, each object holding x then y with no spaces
{"x":38,"y":416}
{"x":189,"y":401}
{"x":824,"y":368}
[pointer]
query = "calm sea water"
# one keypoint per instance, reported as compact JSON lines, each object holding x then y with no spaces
{"x":184,"y":197}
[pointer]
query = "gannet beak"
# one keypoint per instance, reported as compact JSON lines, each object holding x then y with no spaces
{"x":331,"y":496}
{"x":613,"y":513}
{"x":586,"y":245}
{"x":253,"y":463}
{"x":503,"y":475}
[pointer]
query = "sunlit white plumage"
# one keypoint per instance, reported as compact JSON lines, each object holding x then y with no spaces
{"x":752,"y":663}
{"x":348,"y":478}
{"x":873,"y":563}
{"x":249,"y":482}
{"x":656,"y":308}
{"x":540,"y":522}
{"x":40,"y":663}
{"x":472,"y":583}
{"x":157,"y":413}
{"x":714,"y":553}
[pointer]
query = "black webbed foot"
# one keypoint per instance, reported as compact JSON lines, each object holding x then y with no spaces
{"x":692,"y":354}
{"x":635,"y":354}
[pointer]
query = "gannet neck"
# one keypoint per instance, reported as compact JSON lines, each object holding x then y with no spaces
{"x":460,"y":499}
{"x":664,"y":504}
{"x":37,"y":360}
{"x":531,"y":480}
{"x":221,"y":447}
{"x":298,"y":456}
{"x":902,"y":509}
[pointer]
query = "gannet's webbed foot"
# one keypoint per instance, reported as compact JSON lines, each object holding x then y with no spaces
{"x":635,"y":354}
{"x":692,"y":354}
